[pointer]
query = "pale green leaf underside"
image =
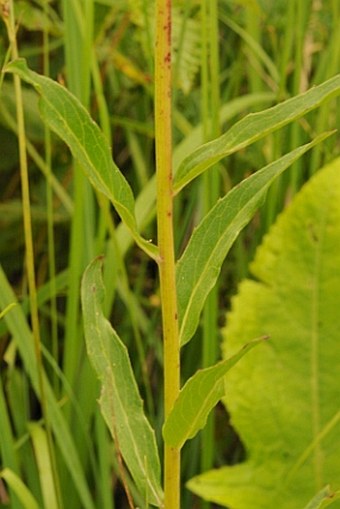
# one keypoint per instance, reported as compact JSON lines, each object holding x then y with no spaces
{"x":66,"y":116}
{"x":252,"y":128}
{"x":200,"y":264}
{"x":197,"y":398}
{"x":120,"y":402}
{"x":324,"y":498}
{"x":284,"y":397}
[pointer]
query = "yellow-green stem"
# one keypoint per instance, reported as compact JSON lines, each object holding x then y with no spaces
{"x":163,"y":126}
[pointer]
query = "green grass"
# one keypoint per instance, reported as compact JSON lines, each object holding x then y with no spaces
{"x":230,"y":59}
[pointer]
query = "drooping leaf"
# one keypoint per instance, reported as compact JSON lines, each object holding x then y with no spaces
{"x":284,"y":396}
{"x":324,"y":498}
{"x":120,"y":402}
{"x":197,"y":398}
{"x":200,"y":264}
{"x":252,"y":128}
{"x":66,"y":116}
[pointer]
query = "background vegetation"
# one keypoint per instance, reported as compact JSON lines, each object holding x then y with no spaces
{"x":238,"y":59}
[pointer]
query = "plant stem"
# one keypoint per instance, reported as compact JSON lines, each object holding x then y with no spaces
{"x":163,"y":126}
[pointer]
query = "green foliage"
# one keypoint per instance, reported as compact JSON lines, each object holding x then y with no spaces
{"x":252,"y":128}
{"x":197,"y":398}
{"x":67,"y":454}
{"x":200,"y":264}
{"x":120,"y":401}
{"x":283,"y":397}
{"x":72,"y":122}
{"x":22,"y":492}
{"x":22,"y":335}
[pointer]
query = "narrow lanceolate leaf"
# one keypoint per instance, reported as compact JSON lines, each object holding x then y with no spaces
{"x":197,"y":398}
{"x":200,"y":264}
{"x":252,"y":128}
{"x":324,"y":498}
{"x":66,"y":116}
{"x":120,"y":401}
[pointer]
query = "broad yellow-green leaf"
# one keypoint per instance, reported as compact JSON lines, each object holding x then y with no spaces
{"x":66,"y":116}
{"x":252,"y":128}
{"x":197,"y":398}
{"x":324,"y":498}
{"x":200,"y":264}
{"x":120,"y":402}
{"x":284,"y":396}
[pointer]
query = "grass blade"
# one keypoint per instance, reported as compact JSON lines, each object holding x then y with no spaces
{"x":40,"y":446}
{"x":120,"y":401}
{"x":20,"y":489}
{"x":252,"y":128}
{"x":200,"y":264}
{"x":22,"y":336}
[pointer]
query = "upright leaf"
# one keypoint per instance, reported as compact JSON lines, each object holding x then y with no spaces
{"x":197,"y":398}
{"x":120,"y":401}
{"x":284,"y":396}
{"x":45,"y":468}
{"x":200,"y":264}
{"x":252,"y":128}
{"x":66,"y":116}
